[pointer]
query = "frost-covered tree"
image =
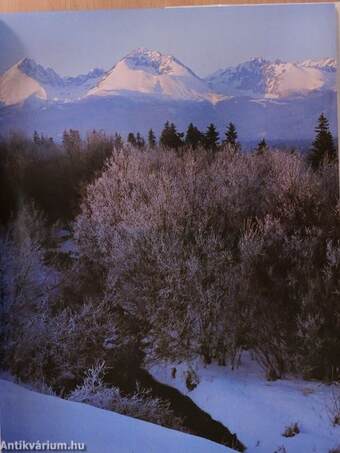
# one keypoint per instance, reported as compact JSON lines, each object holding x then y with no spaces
{"x":25,"y":281}
{"x":181,"y":255}
{"x":123,"y":234}
{"x":23,"y":259}
{"x":206,"y":254}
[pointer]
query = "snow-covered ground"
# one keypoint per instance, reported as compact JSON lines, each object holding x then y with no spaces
{"x":257,"y":410}
{"x":30,"y":416}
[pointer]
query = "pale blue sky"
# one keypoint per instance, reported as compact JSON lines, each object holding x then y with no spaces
{"x":205,"y":39}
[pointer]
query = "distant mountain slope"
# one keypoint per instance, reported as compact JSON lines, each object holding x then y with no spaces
{"x":16,"y":86}
{"x":277,"y":120}
{"x":276,"y":100}
{"x":148,"y":72}
{"x":32,"y":417}
{"x":27,"y":78}
{"x":278,"y":79}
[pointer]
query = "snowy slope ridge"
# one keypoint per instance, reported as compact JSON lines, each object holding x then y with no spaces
{"x":259,"y":410}
{"x":30,"y":416}
{"x":148,"y":72}
{"x":262,"y":78}
{"x":27,"y":78}
{"x":16,"y":86}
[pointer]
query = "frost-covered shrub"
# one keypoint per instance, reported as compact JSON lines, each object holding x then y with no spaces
{"x":25,"y":286}
{"x":40,"y":343}
{"x":76,"y":338}
{"x":140,"y":405}
{"x":291,"y":290}
{"x":207,"y":255}
{"x":143,"y":406}
{"x":22,"y":260}
{"x":180,"y":255}
{"x":42,"y":387}
{"x":152,"y":223}
{"x":93,"y":391}
{"x":52,"y":330}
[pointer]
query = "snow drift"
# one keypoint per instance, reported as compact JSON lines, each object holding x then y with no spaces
{"x":30,"y":416}
{"x":259,"y":410}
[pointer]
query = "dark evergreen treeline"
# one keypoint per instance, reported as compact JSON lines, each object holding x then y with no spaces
{"x":323,"y":146}
{"x":193,"y":137}
{"x":54,"y":174}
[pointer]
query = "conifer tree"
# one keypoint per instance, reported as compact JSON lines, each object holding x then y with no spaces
{"x":170,"y":138}
{"x":72,"y":141}
{"x":140,"y":142}
{"x":118,"y":141}
{"x":211,"y":137}
{"x":323,"y":146}
{"x":65,"y":138}
{"x":151,"y":139}
{"x":193,"y":137}
{"x":262,"y":146}
{"x":231,"y":135}
{"x":36,"y":138}
{"x":163,"y":139}
{"x":131,"y":139}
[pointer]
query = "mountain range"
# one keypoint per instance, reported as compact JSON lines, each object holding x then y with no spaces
{"x":278,"y":100}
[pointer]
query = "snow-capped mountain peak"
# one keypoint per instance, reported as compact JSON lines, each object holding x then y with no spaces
{"x":37,"y":72}
{"x":145,"y":72}
{"x":156,"y":62}
{"x":247,"y":78}
{"x":261,"y":78}
{"x":17,"y":86}
{"x":95,"y":73}
{"x":325,"y":64}
{"x":28,"y":78}
{"x":255,"y":62}
{"x":149,"y":72}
